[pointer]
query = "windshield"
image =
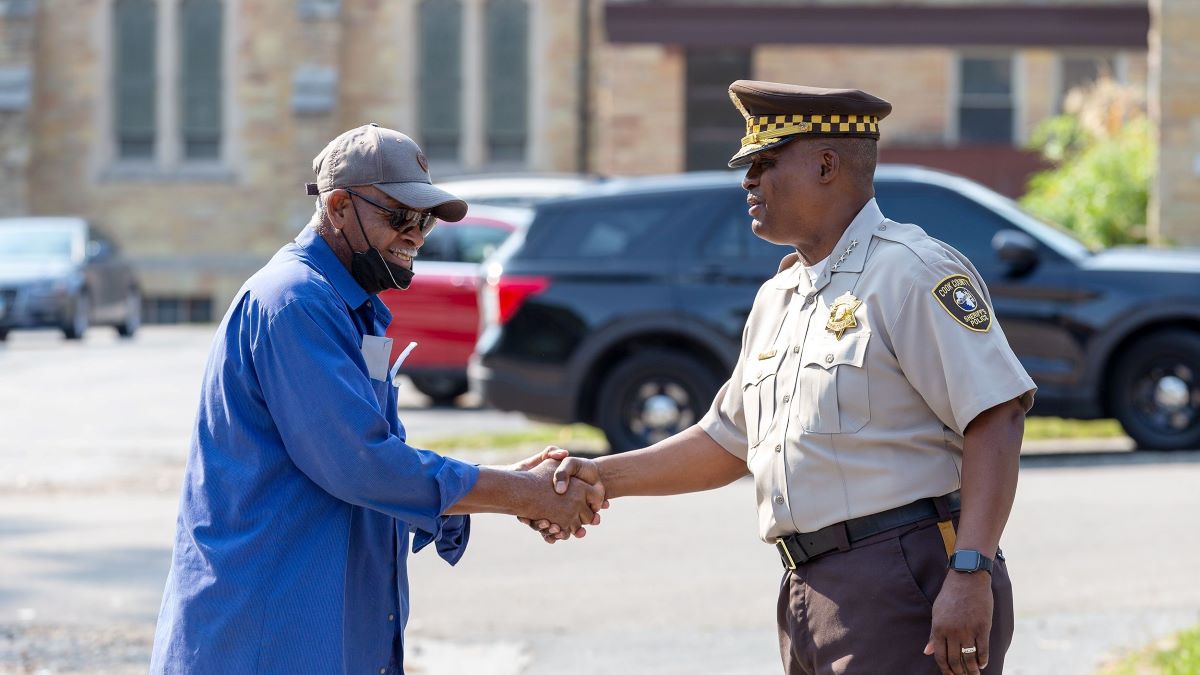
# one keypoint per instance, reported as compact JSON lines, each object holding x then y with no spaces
{"x":37,"y":243}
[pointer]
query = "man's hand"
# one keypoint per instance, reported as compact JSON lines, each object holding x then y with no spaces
{"x":569,"y":509}
{"x":571,"y":467}
{"x":962,"y":617}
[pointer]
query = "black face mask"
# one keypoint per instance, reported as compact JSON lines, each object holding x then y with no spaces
{"x":371,"y":270}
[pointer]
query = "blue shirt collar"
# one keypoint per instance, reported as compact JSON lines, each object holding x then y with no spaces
{"x":318,"y":251}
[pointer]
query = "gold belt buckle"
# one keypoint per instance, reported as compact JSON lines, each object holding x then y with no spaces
{"x":784,"y":553}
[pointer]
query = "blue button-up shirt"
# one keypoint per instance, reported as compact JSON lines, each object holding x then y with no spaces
{"x":300,"y":491}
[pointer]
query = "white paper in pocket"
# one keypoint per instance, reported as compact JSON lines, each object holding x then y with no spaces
{"x":377,"y":351}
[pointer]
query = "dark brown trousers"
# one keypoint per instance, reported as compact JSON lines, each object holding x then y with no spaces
{"x":868,"y":611}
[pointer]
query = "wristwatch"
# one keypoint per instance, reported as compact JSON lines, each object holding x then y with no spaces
{"x":966,"y":560}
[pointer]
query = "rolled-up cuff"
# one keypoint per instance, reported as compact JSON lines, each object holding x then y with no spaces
{"x":455,"y":479}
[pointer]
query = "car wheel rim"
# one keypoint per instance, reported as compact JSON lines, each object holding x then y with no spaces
{"x":1167,"y":398}
{"x":659,"y":409}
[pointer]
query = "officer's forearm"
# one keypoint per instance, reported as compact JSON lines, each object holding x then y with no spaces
{"x":991,"y":457}
{"x":690,"y":461}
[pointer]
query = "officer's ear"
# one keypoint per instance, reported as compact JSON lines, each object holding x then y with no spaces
{"x":828,"y":163}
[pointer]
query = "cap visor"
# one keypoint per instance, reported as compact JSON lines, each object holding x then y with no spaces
{"x":426,"y":197}
{"x":746,"y":154}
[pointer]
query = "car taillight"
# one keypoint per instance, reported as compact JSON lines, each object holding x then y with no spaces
{"x":506,"y":294}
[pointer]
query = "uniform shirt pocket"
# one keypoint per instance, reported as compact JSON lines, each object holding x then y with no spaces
{"x":759,"y":397}
{"x":833,"y":385}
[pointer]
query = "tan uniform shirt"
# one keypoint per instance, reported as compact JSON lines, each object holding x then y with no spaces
{"x":835,"y":428}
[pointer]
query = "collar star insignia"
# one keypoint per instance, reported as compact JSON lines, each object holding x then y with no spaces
{"x":841,"y":314}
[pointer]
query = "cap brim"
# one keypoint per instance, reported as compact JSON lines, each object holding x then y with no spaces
{"x":746,"y":154}
{"x":427,"y":197}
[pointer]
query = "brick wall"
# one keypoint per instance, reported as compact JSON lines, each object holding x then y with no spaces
{"x":1175,"y":106}
{"x":915,"y":81}
{"x":639,"y":110}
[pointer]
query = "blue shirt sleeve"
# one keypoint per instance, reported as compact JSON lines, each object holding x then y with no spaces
{"x":309,"y":364}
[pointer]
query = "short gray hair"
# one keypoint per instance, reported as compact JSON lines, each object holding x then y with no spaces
{"x":320,"y":218}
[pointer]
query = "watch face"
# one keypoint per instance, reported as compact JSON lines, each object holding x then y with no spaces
{"x":966,"y":560}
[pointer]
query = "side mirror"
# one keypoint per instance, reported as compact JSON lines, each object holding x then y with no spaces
{"x":1016,"y":249}
{"x":98,"y":250}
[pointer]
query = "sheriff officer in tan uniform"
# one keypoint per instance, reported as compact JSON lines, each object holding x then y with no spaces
{"x":876,"y":403}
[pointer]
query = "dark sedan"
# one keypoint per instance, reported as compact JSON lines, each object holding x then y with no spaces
{"x":623,"y":306}
{"x":64,"y":273}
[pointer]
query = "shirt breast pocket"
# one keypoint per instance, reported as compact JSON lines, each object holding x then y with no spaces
{"x":833,"y":385}
{"x":382,"y":391}
{"x":760,"y":398}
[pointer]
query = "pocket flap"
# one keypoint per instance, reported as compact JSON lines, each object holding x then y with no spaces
{"x":850,"y":350}
{"x":758,"y":369}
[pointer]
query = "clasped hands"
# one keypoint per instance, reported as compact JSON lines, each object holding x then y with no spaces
{"x":572,"y":496}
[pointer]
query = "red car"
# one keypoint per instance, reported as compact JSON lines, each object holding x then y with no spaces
{"x":440,"y":310}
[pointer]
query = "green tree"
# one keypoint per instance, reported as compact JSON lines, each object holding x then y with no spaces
{"x":1103,"y":152}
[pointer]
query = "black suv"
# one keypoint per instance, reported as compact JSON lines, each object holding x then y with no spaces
{"x":623,"y":307}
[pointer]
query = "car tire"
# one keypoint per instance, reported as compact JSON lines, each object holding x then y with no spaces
{"x":79,"y":319}
{"x":443,"y":389}
{"x":133,"y":314}
{"x":653,"y":395}
{"x":1155,"y":391}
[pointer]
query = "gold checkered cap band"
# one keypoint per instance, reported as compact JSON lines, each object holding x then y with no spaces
{"x":763,"y":128}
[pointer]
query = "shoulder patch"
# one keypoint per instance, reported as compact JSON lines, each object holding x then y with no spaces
{"x":959,"y":298}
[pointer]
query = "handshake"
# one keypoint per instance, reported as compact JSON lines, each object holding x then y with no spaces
{"x":564,"y":494}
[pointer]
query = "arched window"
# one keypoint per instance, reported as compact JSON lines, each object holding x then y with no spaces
{"x":440,"y":79}
{"x":135,"y":24}
{"x":507,"y":80}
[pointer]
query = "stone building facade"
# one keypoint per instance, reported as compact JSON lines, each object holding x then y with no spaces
{"x":186,"y":128}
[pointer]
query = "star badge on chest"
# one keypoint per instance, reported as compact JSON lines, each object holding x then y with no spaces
{"x":841,"y":314}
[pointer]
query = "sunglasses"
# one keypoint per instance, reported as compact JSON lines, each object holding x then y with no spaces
{"x":402,"y":220}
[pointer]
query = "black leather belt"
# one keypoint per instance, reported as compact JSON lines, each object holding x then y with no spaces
{"x":797,"y":549}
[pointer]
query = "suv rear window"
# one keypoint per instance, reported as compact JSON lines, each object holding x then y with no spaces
{"x":631,"y":227}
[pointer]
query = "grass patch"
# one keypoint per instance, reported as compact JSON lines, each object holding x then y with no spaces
{"x":570,"y":436}
{"x":1177,"y":655}
{"x":1049,"y":428}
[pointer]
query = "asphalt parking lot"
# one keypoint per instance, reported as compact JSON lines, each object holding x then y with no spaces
{"x":1101,"y":544}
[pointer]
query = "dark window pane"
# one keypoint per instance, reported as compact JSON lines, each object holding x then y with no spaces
{"x":135,"y":31}
{"x":986,"y":76}
{"x":734,"y":236}
{"x":944,"y":215}
{"x":645,"y":227}
{"x":200,"y":78}
{"x":508,"y":79}
{"x":985,"y":125}
{"x":985,"y":105}
{"x":713,"y":125}
{"x":476,"y":242}
{"x":440,"y":78}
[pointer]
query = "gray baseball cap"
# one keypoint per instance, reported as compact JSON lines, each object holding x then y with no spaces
{"x":389,"y":160}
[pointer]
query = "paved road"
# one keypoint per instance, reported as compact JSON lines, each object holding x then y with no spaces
{"x":90,"y":460}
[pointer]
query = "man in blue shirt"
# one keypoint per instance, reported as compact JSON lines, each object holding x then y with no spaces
{"x":300,"y":491}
